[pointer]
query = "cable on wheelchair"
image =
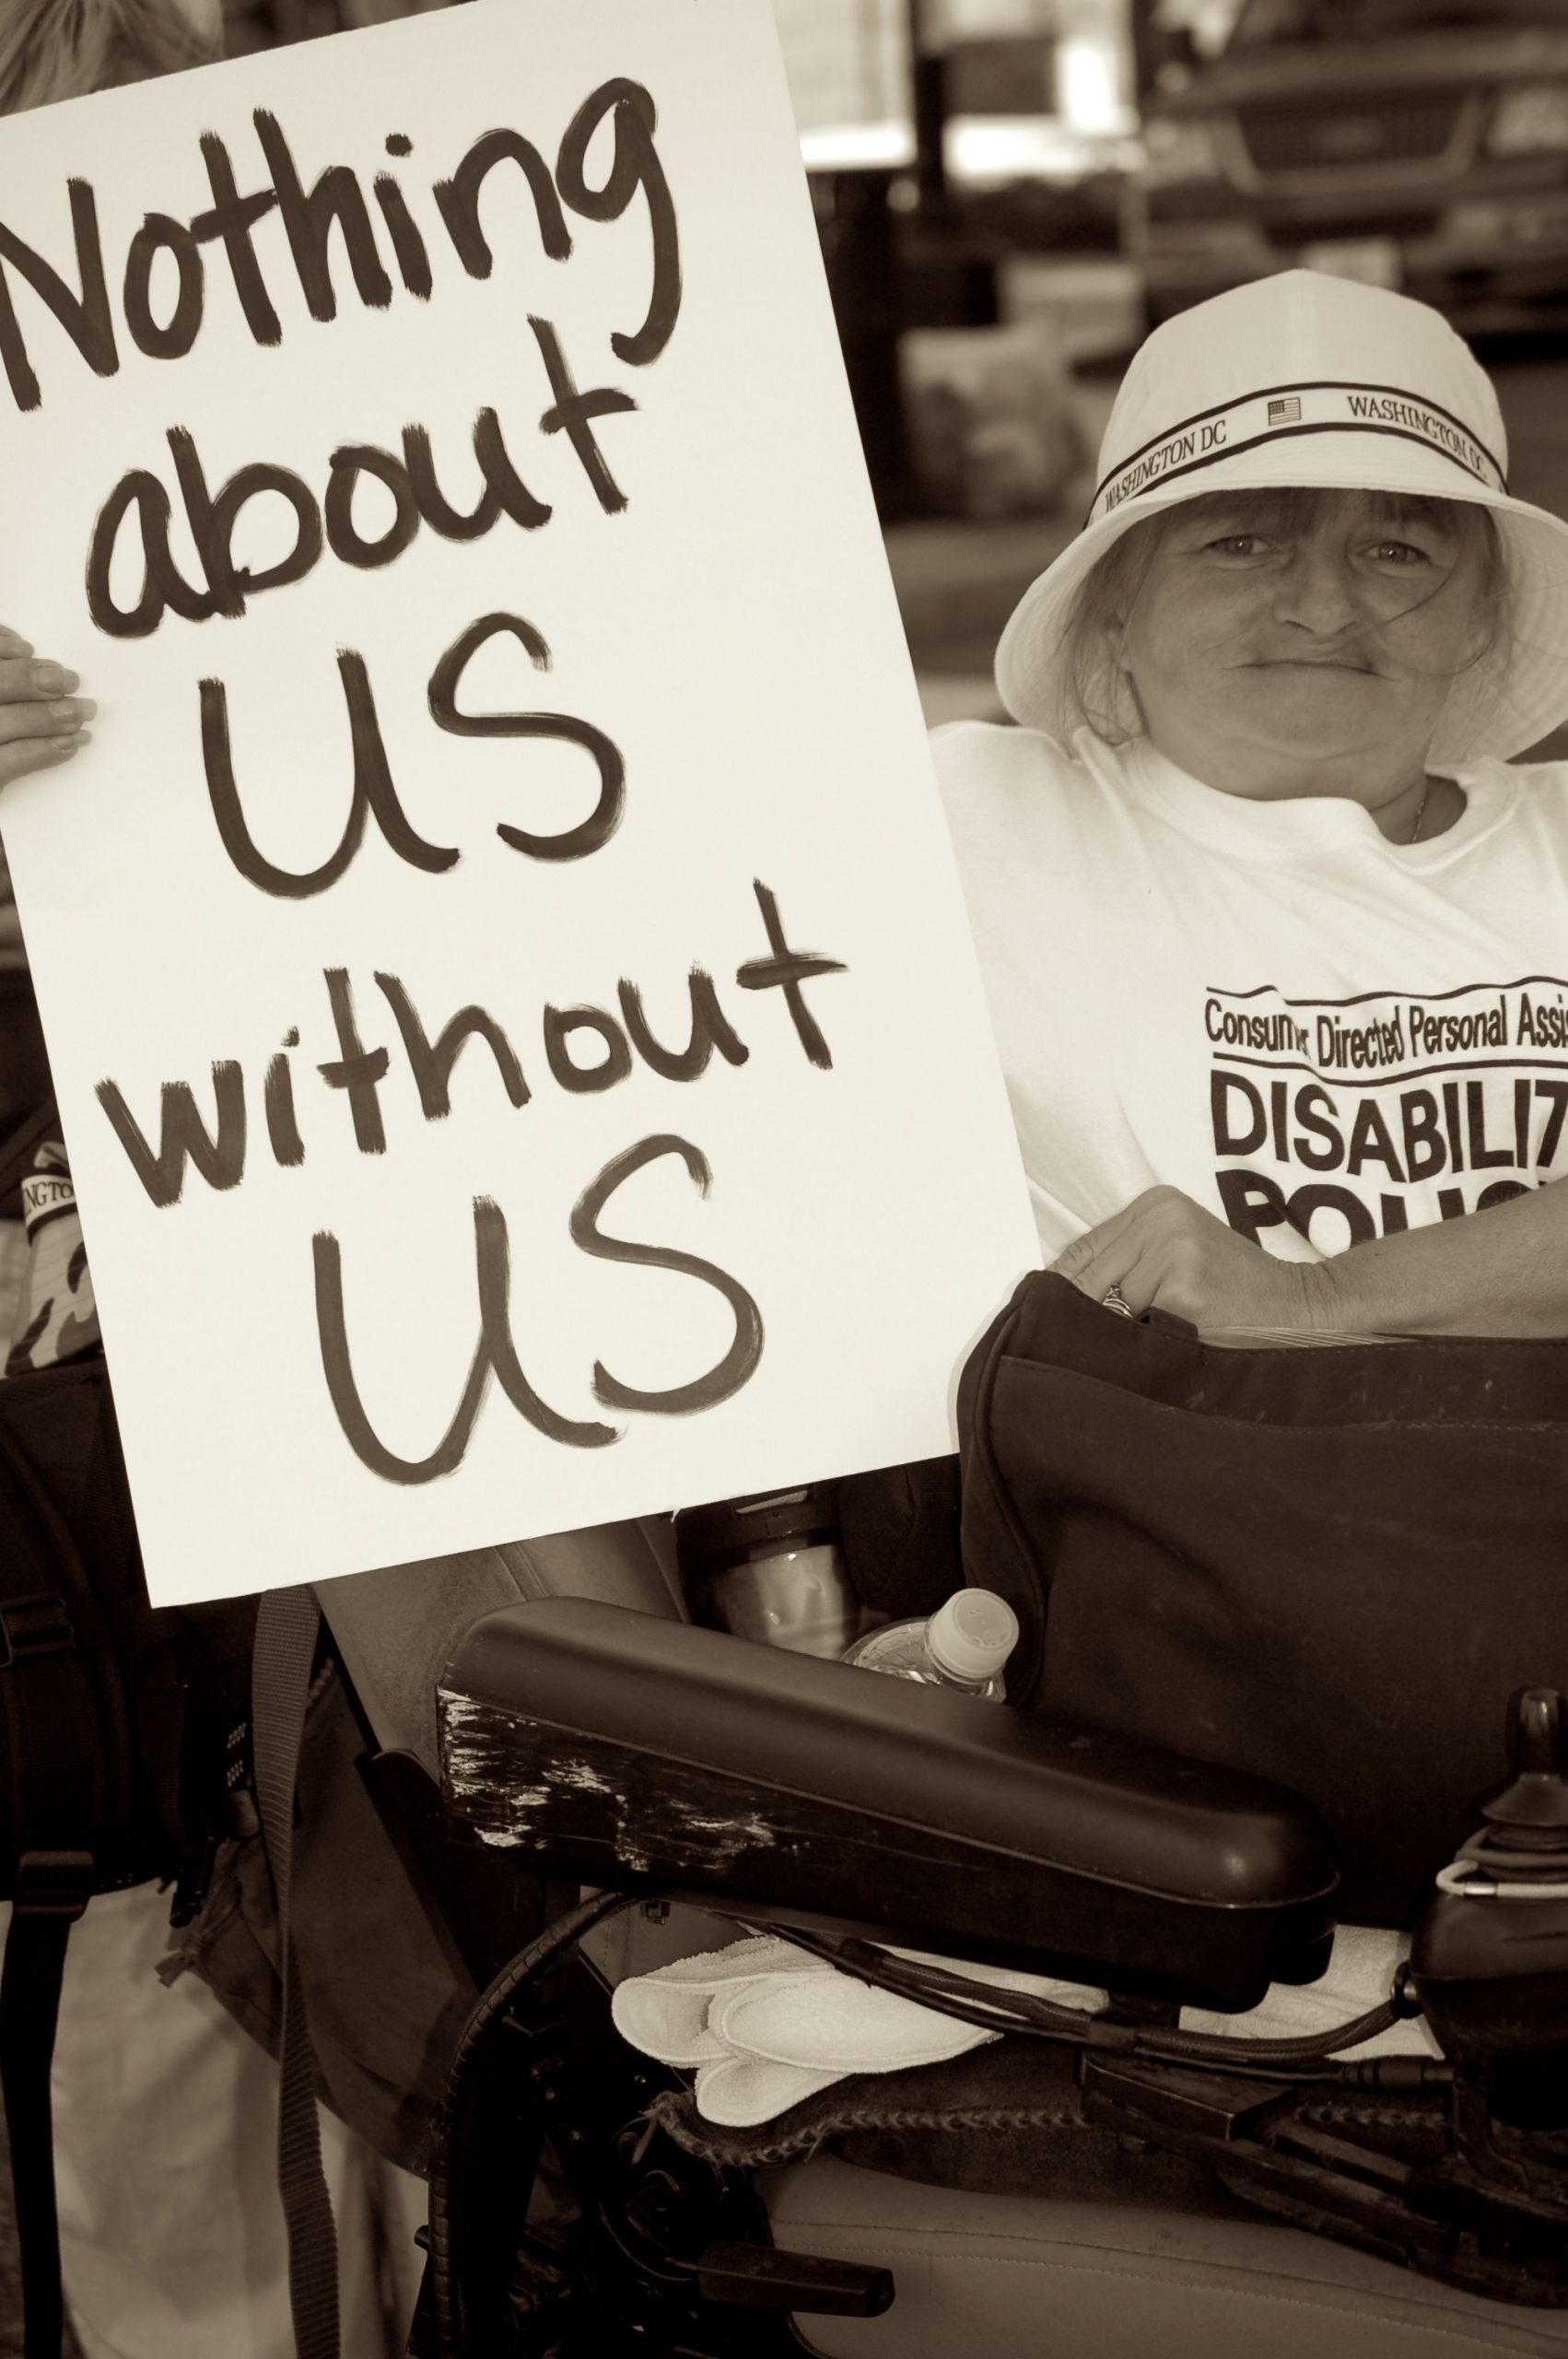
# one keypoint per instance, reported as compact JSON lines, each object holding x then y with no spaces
{"x":492,"y":2006}
{"x":1305,"y":2059}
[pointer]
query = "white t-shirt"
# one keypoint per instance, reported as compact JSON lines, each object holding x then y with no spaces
{"x":1319,"y":1035}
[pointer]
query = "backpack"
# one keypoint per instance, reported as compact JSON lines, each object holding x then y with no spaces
{"x":1328,"y":1566}
{"x":124,"y":1736}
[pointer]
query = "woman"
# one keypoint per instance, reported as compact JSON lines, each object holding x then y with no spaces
{"x":1273,"y":934}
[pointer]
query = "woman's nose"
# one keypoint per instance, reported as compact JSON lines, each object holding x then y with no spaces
{"x":1316,"y":593}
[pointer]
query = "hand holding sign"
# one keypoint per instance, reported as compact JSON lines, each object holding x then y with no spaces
{"x":511,"y":1001}
{"x":43,"y":722}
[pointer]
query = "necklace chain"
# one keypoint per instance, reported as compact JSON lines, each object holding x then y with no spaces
{"x":1420,"y":812}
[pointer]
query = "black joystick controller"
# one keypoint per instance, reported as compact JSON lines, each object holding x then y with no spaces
{"x":1490,"y":1958}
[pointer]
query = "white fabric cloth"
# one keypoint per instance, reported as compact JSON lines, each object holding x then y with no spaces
{"x":1318,"y":1034}
{"x":764,"y":2025}
{"x":166,"y":2127}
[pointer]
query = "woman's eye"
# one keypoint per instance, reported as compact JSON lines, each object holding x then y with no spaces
{"x":1400,"y":552}
{"x":1237,"y":544}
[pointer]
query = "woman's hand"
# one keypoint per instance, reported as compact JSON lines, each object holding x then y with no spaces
{"x":1501,"y":1271}
{"x":43,"y":722}
{"x":1164,"y":1251}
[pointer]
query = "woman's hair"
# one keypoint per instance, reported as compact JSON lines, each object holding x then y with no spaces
{"x":63,"y":49}
{"x":1092,"y":642}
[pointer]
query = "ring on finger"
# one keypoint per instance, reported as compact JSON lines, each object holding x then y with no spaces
{"x":1114,"y":1300}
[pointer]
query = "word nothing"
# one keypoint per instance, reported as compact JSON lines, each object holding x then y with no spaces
{"x":336,"y":201}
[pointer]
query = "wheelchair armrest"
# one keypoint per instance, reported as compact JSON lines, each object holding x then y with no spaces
{"x":650,"y":1755}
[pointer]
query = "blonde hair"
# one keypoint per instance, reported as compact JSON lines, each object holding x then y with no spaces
{"x":63,"y":49}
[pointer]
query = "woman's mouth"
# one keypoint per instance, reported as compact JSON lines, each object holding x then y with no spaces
{"x":1312,"y":664}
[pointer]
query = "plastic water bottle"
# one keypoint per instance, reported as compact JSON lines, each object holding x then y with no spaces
{"x":965,"y":1644}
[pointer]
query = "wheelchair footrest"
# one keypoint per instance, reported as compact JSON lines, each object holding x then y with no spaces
{"x":760,"y":2277}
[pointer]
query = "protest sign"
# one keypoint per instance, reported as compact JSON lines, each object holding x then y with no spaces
{"x":517,"y":1038}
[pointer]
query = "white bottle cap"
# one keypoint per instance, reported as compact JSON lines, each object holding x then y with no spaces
{"x":971,"y":1634}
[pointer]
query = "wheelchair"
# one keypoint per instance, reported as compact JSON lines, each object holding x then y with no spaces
{"x":1087,"y":2183}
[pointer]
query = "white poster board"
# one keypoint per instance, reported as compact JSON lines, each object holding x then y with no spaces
{"x":517,"y":1038}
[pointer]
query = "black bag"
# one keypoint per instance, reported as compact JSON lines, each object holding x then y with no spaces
{"x":122,"y":1733}
{"x":1329,"y":1565}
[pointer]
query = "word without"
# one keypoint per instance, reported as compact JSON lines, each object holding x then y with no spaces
{"x":358,"y":1071}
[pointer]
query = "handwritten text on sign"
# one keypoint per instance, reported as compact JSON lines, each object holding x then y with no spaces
{"x":350,"y":391}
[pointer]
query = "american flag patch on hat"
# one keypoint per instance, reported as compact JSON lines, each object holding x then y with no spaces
{"x":1284,"y":412}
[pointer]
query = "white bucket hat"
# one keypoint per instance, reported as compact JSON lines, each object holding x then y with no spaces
{"x":1302,"y":378}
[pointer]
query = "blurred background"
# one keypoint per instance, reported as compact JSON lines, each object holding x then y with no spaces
{"x":1010,"y":193}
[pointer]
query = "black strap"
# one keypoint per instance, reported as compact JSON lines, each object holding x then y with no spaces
{"x":52,"y":1888}
{"x":287,"y":1625}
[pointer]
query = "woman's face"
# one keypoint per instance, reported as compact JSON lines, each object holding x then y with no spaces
{"x":1288,"y":644}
